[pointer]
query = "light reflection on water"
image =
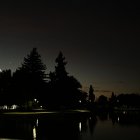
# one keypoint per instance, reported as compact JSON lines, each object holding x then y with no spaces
{"x":80,"y":126}
{"x":100,"y":127}
{"x":34,"y":133}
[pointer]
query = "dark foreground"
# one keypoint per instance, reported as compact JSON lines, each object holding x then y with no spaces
{"x":78,"y":125}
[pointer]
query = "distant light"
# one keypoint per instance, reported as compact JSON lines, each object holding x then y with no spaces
{"x":79,"y":101}
{"x":124,"y":112}
{"x":14,"y":107}
{"x":80,"y":126}
{"x":5,"y":107}
{"x":118,"y":119}
{"x":0,"y":70}
{"x":35,"y":100}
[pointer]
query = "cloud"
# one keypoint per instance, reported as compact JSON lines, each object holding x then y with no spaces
{"x":103,"y":91}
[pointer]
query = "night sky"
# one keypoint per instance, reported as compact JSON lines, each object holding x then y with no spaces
{"x":100,"y":40}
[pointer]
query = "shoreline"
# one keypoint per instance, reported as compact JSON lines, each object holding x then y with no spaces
{"x":45,"y":113}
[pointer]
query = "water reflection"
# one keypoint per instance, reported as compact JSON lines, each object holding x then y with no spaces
{"x":92,"y":123}
{"x":59,"y":128}
{"x":36,"y":122}
{"x":80,"y":127}
{"x":125,"y":118}
{"x":34,"y":133}
{"x":68,"y":127}
{"x":16,"y":128}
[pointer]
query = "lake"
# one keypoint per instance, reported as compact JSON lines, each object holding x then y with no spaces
{"x":113,"y":126}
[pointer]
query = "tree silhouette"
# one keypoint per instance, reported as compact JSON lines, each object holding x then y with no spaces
{"x":33,"y":65}
{"x":91,"y":94}
{"x":102,"y":102}
{"x":5,"y":80}
{"x":64,"y":88}
{"x":128,"y":100}
{"x":5,"y":87}
{"x":91,"y":98}
{"x":112,"y":100}
{"x":29,"y":79}
{"x":60,"y":70}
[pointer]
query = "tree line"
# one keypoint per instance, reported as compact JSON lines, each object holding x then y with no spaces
{"x":118,"y":102}
{"x":30,"y":87}
{"x":30,"y":83}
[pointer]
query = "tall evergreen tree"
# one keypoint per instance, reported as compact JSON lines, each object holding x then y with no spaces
{"x":91,"y":94}
{"x":30,"y":78}
{"x":33,"y":65}
{"x":5,"y":80}
{"x":60,"y":69}
{"x":5,"y":87}
{"x":64,"y":88}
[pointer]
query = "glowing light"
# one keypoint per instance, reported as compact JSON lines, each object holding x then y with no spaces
{"x":79,"y":101}
{"x":124,"y":112}
{"x":80,"y":126}
{"x":118,"y":119}
{"x":37,"y":122}
{"x":14,"y":107}
{"x":5,"y":107}
{"x":0,"y":70}
{"x":35,"y":100}
{"x":34,"y":133}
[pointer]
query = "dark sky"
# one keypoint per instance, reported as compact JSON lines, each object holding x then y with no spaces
{"x":100,"y":40}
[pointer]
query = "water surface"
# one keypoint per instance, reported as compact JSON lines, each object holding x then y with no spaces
{"x":89,"y":127}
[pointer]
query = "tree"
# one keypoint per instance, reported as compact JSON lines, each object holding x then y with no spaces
{"x":5,"y":80}
{"x":33,"y":65}
{"x":91,"y":94}
{"x":5,"y":87}
{"x":102,"y":102}
{"x":60,"y":70}
{"x":64,"y":88}
{"x":113,"y":100}
{"x":30,"y":78}
{"x":128,"y":100}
